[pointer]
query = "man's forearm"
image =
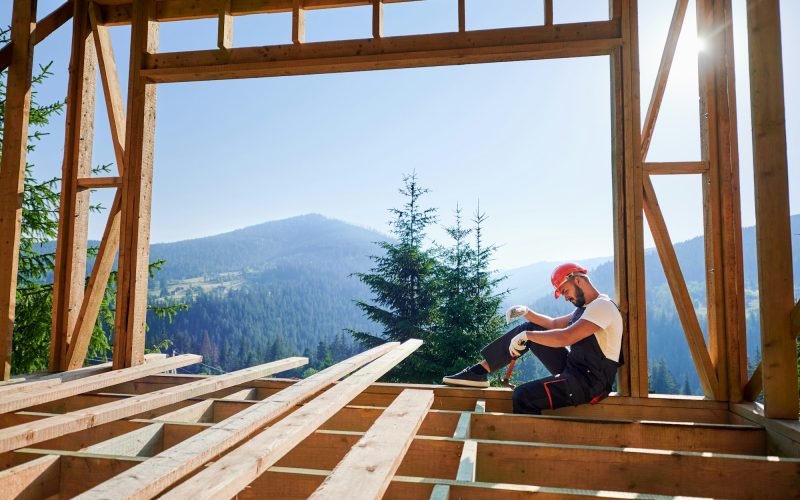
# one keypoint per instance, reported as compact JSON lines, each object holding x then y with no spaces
{"x":550,"y":338}
{"x":540,"y":319}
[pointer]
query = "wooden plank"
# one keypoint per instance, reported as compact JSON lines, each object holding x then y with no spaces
{"x":662,"y":76}
{"x":783,"y":436}
{"x":773,"y":232}
{"x":34,"y":432}
{"x":291,"y":482}
{"x":298,"y":22}
{"x":134,"y":248}
{"x":38,"y":478}
{"x":675,"y":168}
{"x":462,"y":16}
{"x":377,"y":18}
{"x":12,"y":169}
{"x":548,"y":12}
{"x":372,"y":463}
{"x":506,"y":44}
{"x":69,"y":273}
{"x":680,"y":293}
{"x":52,"y":379}
{"x":639,"y":470}
{"x":99,"y":182}
{"x":247,"y":462}
{"x":225,"y":26}
{"x":118,"y":13}
{"x":162,"y":470}
{"x":42,"y":30}
{"x":94,"y":382}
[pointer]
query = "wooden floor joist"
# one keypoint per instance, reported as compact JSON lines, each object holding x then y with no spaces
{"x":161,"y":471}
{"x":236,"y":470}
{"x":27,"y":434}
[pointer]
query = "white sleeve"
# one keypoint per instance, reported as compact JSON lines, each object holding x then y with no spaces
{"x":601,"y":313}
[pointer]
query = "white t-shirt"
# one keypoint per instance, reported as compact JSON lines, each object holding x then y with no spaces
{"x":603,"y":313}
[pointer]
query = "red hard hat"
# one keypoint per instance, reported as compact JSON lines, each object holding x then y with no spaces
{"x":564,"y":272}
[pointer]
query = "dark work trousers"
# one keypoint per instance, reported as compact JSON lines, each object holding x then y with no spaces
{"x":566,"y":387}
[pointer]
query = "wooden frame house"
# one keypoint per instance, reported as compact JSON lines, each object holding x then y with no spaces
{"x":128,"y":429}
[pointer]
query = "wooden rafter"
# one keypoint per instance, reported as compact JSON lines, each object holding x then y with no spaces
{"x":233,"y":472}
{"x":663,"y":74}
{"x":43,"y":29}
{"x":680,"y":293}
{"x":506,"y":44}
{"x":462,"y":16}
{"x":12,"y":169}
{"x":372,"y":462}
{"x":298,"y":22}
{"x":548,"y":12}
{"x":161,"y":471}
{"x":99,"y":182}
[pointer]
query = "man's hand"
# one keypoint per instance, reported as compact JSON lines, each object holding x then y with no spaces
{"x":515,"y":312}
{"x":518,"y":344}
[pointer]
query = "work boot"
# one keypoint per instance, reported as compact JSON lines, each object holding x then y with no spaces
{"x":467,"y":378}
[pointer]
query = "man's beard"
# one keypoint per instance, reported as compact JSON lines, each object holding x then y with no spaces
{"x":580,"y":298}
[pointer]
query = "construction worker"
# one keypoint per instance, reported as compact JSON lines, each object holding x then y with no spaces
{"x":581,"y":374}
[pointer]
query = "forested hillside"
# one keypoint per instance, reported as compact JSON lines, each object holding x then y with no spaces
{"x":285,"y":288}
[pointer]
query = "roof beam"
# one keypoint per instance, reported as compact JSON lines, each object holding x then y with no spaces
{"x":507,"y":44}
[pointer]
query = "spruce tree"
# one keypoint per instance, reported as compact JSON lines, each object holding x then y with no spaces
{"x":404,"y":288}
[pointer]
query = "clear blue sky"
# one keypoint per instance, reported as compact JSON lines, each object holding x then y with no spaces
{"x":530,"y":140}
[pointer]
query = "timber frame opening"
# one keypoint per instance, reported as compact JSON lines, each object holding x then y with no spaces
{"x":721,"y":364}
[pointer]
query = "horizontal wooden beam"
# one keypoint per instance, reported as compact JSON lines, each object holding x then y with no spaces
{"x":675,"y":168}
{"x":94,"y":382}
{"x":234,"y":471}
{"x":99,"y":182}
{"x":161,"y":471}
{"x":507,"y":44}
{"x":27,"y":434}
{"x":119,"y":11}
{"x":44,"y":28}
{"x":372,"y":462}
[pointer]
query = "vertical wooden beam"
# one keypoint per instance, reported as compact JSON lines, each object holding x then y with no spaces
{"x":631,"y":211}
{"x":298,"y":22}
{"x":548,"y":12}
{"x":129,"y":328}
{"x":462,"y":16}
{"x":69,"y":277}
{"x":721,"y":202}
{"x":98,"y":280}
{"x":773,"y":237}
{"x":225,"y":26}
{"x":377,"y":18}
{"x":12,"y":168}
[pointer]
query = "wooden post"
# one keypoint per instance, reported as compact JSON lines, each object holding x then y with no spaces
{"x":73,"y":223}
{"x":225,"y":26}
{"x":629,"y":223}
{"x":773,"y":238}
{"x":377,"y":18}
{"x":129,"y":328}
{"x":12,"y":168}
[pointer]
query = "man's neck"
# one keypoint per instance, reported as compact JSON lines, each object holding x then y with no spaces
{"x":591,"y":295}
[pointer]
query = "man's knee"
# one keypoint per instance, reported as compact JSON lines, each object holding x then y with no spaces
{"x":524,"y":401}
